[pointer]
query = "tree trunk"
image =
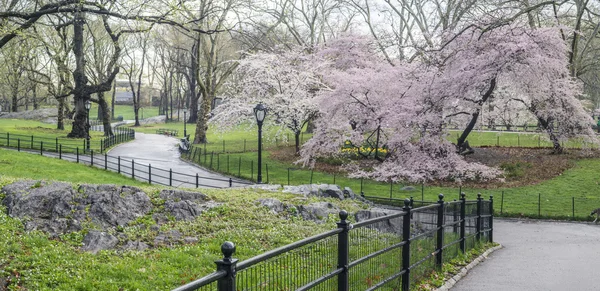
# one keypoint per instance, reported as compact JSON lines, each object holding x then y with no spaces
{"x":202,"y":122}
{"x":297,"y":141}
{"x":112,"y":102}
{"x":461,"y":143}
{"x":60,"y":123}
{"x":557,"y":148}
{"x":105,"y":114}
{"x":79,"y":128}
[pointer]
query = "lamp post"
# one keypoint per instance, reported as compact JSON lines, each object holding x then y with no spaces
{"x":88,"y":105}
{"x":260,"y":111}
{"x":184,"y":123}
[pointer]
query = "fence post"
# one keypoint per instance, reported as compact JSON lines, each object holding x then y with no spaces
{"x":463,"y":206}
{"x":228,"y":265}
{"x":56,"y":144}
{"x":41,"y":148}
{"x":502,"y":203}
{"x":119,"y":164}
{"x":573,"y":204}
{"x":361,"y":185}
{"x":422,"y":191}
{"x":478,"y":220}
{"x":150,"y":174}
{"x":77,"y":152}
{"x":539,"y":204}
{"x":440,"y":233}
{"x":230,"y":182}
{"x":31,"y":142}
{"x":132,"y":169}
{"x":92,"y":157}
{"x":343,"y":251}
{"x":406,"y":246}
{"x":170,"y":177}
{"x":491,"y":223}
{"x":197,"y":178}
{"x":105,"y":161}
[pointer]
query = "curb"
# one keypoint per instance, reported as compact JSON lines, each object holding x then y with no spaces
{"x":463,"y":272}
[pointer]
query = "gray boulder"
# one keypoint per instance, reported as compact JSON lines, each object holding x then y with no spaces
{"x":275,"y":205}
{"x":408,"y":188}
{"x":320,"y":190}
{"x":179,"y":195}
{"x":184,"y":205}
{"x":318,"y":212}
{"x":135,"y":246}
{"x":154,"y":120}
{"x":389,"y":225}
{"x":96,"y":241}
{"x":57,"y":208}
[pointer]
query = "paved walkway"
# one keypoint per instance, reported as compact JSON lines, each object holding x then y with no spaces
{"x":539,"y":255}
{"x":162,"y":152}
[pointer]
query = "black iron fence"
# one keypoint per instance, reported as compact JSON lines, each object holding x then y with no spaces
{"x":129,"y":167}
{"x":388,"y":252}
{"x":66,"y":145}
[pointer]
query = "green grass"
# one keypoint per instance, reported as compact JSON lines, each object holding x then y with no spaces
{"x":127,"y":112}
{"x":15,"y":132}
{"x":579,"y":184}
{"x":33,"y":262}
{"x":30,"y":166}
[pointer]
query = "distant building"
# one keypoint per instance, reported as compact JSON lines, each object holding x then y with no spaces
{"x":123,"y":94}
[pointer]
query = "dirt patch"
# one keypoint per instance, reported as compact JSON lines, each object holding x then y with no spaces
{"x":522,"y":166}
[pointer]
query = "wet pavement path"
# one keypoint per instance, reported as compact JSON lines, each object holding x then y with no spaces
{"x":161,"y":153}
{"x":539,"y":255}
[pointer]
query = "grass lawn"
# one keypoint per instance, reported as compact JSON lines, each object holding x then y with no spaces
{"x":572,"y":194}
{"x":127,"y":112}
{"x":22,"y":165}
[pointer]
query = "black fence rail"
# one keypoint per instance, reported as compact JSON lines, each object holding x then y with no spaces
{"x":129,"y":167}
{"x":388,"y":252}
{"x":68,"y":144}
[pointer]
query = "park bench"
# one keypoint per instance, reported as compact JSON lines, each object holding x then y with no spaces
{"x":166,"y":131}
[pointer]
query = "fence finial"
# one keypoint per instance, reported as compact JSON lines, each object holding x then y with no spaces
{"x":227,"y":248}
{"x":343,"y":215}
{"x":491,"y":197}
{"x":478,"y":195}
{"x":441,"y":197}
{"x":406,"y":203}
{"x":463,"y":195}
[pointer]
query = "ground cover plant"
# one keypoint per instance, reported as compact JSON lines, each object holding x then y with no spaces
{"x":30,"y":260}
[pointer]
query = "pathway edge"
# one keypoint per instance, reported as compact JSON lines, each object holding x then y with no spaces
{"x":465,"y":270}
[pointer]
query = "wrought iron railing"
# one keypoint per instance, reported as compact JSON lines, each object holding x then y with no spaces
{"x":390,"y":251}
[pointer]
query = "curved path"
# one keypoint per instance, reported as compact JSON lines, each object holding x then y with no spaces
{"x":161,"y":152}
{"x":539,"y":255}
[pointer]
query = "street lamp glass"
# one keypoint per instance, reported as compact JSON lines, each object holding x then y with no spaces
{"x":88,"y":105}
{"x":260,"y":111}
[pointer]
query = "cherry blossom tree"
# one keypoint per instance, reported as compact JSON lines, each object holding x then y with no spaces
{"x":286,"y":82}
{"x":513,"y":63}
{"x":371,"y":95}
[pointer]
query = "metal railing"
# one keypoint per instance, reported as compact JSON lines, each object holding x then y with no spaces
{"x":68,"y":144}
{"x":390,"y":251}
{"x":128,"y":167}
